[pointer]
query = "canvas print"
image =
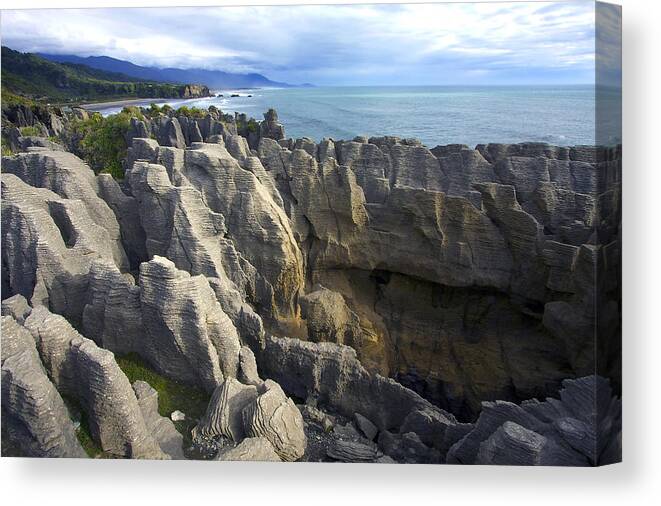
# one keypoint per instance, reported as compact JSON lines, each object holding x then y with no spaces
{"x":313,"y":233}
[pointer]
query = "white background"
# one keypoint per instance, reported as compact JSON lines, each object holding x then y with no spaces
{"x":635,"y":482}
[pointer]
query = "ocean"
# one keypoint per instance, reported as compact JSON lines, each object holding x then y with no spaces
{"x":561,"y":115}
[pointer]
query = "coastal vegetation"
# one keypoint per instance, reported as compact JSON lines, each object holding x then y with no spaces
{"x":172,"y":395}
{"x":101,"y":141}
{"x":31,"y":77}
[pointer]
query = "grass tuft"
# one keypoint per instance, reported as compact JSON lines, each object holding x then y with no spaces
{"x":172,"y":395}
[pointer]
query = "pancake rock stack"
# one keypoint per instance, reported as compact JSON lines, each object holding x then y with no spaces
{"x":392,"y":302}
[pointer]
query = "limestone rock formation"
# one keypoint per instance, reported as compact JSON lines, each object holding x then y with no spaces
{"x":17,"y":307}
{"x":224,"y":415}
{"x":274,"y":416}
{"x":248,"y":373}
{"x":463,"y":281}
{"x":368,"y":429}
{"x":270,"y":127}
{"x":88,"y":374}
{"x":254,"y":449}
{"x":333,"y":375}
{"x":35,"y":419}
{"x":507,"y":234}
{"x":48,"y":244}
{"x":351,"y":451}
{"x":171,"y":319}
{"x":179,"y":225}
{"x":69,"y":177}
{"x":573,"y":430}
{"x":329,"y":318}
{"x":160,"y":427}
{"x":259,"y":228}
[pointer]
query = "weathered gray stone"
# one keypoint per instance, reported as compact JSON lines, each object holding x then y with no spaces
{"x":407,"y":448}
{"x":274,"y":416}
{"x":69,"y":177}
{"x":366,"y":427}
{"x":571,"y":431}
{"x":257,"y":449}
{"x":171,"y":319}
{"x":15,"y":338}
{"x":17,"y":307}
{"x":160,"y":427}
{"x":224,"y":415}
{"x":353,"y":451}
{"x":513,"y":445}
{"x":179,"y":226}
{"x":48,"y":244}
{"x":89,"y":374}
{"x":248,"y":367}
{"x":328,"y":318}
{"x":34,"y":418}
{"x":333,"y":374}
{"x":500,"y":219}
{"x":259,"y":228}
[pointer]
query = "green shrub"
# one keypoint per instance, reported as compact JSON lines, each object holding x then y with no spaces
{"x":132,"y":110}
{"x":29,"y":131}
{"x":154,"y":110}
{"x":6,"y":150}
{"x":191,"y":112}
{"x":252,"y":126}
{"x":102,"y":141}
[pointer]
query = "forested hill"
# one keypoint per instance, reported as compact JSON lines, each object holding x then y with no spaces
{"x":216,"y":79}
{"x":31,"y":76}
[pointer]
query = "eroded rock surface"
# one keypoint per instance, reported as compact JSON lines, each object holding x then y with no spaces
{"x":274,"y":416}
{"x":171,"y":319}
{"x":89,"y":374}
{"x":453,"y":258}
{"x":255,"y":449}
{"x":422,"y":283}
{"x":573,"y":430}
{"x":34,"y":416}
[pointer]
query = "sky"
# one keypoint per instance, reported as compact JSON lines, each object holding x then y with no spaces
{"x":333,"y":45}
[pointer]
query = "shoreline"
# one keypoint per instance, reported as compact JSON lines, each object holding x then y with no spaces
{"x":100,"y":106}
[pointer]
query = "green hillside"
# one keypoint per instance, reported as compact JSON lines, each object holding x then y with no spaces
{"x":31,"y":76}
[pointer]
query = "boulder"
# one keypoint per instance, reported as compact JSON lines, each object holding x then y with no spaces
{"x":248,"y":367}
{"x":274,"y":416}
{"x":366,"y":427}
{"x":17,"y":307}
{"x":353,"y":451}
{"x":224,"y":415}
{"x":254,"y":449}
{"x":328,"y":318}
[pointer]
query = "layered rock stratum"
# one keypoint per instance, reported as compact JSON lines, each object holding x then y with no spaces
{"x":370,"y":300}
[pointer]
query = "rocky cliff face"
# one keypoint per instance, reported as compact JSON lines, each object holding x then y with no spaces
{"x":472,"y":271}
{"x":411,"y":298}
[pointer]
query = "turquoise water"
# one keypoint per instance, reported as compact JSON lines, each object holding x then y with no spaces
{"x":562,"y":115}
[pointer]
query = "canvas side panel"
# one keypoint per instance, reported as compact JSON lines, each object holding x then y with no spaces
{"x":608,"y":223}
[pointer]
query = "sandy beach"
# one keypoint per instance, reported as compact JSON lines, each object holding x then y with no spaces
{"x":100,"y":106}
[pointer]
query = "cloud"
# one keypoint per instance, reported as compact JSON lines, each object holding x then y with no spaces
{"x":339,"y":44}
